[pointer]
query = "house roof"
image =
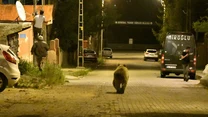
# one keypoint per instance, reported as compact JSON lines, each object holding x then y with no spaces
{"x":9,"y":12}
{"x":10,"y":28}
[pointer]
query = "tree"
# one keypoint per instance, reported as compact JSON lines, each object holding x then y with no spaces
{"x":65,"y":26}
{"x":173,"y":17}
{"x":65,"y":23}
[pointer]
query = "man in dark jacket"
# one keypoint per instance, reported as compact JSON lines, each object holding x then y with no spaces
{"x":40,"y":50}
{"x":185,"y":57}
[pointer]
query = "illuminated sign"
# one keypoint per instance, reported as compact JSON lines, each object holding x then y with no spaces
{"x":179,"y":37}
{"x":134,"y":22}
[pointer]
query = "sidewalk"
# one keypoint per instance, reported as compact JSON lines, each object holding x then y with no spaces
{"x":202,"y":77}
{"x":199,"y":74}
{"x":69,"y":77}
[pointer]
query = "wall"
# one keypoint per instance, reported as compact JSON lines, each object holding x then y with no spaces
{"x":139,"y":47}
{"x":201,"y":55}
{"x":54,"y":53}
{"x":25,"y":44}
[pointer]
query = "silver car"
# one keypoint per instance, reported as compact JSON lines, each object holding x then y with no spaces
{"x":151,"y":54}
{"x":107,"y":52}
{"x":9,"y":71}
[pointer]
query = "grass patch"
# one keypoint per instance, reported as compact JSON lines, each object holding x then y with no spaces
{"x":78,"y":73}
{"x":101,"y":60}
{"x":33,"y":78}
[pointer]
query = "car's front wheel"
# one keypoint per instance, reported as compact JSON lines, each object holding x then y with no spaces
{"x":3,"y":82}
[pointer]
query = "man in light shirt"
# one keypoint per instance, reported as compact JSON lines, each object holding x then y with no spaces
{"x":38,"y":24}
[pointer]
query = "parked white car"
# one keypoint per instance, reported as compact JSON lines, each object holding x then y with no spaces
{"x":9,"y":71}
{"x":107,"y":52}
{"x":151,"y":54}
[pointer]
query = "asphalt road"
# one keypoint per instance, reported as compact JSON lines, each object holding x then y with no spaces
{"x":146,"y":95}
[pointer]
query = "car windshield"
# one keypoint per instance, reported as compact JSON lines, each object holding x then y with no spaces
{"x":89,"y":51}
{"x":152,"y":51}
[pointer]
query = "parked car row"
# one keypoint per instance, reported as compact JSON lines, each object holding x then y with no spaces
{"x":91,"y":55}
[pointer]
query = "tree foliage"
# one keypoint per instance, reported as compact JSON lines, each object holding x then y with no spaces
{"x":65,"y":23}
{"x":65,"y":26}
{"x":201,"y":25}
{"x":92,"y":16}
{"x":173,"y":18}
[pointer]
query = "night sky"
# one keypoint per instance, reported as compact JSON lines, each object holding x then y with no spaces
{"x":143,"y":10}
{"x":134,"y":10}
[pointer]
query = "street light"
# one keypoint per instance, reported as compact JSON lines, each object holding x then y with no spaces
{"x":102,"y":30}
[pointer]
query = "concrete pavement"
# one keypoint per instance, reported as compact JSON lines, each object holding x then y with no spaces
{"x":146,"y":95}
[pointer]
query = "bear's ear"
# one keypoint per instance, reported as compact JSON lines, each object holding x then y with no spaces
{"x":124,"y":65}
{"x":118,"y":64}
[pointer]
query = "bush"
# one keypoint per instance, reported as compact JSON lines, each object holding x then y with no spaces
{"x":52,"y":74}
{"x":33,"y":78}
{"x":101,"y":60}
{"x":25,"y":66}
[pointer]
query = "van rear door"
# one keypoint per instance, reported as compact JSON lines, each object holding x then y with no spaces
{"x":172,"y":52}
{"x":174,"y":46}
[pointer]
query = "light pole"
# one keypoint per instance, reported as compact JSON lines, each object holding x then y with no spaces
{"x":102,"y":30}
{"x":164,"y":9}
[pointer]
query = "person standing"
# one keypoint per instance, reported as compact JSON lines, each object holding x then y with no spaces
{"x":38,"y":24}
{"x":185,"y":57}
{"x":40,"y":49}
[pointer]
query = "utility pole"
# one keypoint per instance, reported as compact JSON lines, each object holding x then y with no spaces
{"x":34,"y":6}
{"x":43,"y":2}
{"x":44,"y":25}
{"x":188,"y":15}
{"x":80,"y":45}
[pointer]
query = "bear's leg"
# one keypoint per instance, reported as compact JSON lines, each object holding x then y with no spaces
{"x":116,"y":85}
{"x":123,"y":87}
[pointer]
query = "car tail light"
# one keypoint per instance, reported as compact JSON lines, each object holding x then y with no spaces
{"x":9,"y":58}
{"x":162,"y":58}
{"x":194,"y":60}
{"x":163,"y":69}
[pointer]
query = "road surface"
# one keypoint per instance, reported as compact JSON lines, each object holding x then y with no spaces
{"x":146,"y":95}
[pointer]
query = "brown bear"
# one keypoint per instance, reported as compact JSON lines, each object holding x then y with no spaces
{"x":121,"y":77}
